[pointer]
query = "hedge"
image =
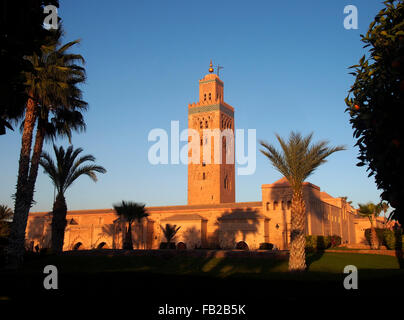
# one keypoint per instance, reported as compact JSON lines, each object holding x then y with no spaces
{"x":387,"y":238}
{"x":322,"y":242}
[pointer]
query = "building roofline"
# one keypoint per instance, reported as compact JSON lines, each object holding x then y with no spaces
{"x":230,"y":205}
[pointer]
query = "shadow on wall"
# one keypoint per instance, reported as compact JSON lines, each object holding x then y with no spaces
{"x":235,"y":226}
{"x":192,"y":237}
{"x":112,"y":231}
{"x":39,"y":231}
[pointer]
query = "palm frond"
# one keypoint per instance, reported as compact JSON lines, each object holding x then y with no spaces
{"x":298,"y":158}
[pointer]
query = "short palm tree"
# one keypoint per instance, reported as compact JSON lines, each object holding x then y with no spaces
{"x":68,"y":167}
{"x":371,"y":211}
{"x":298,"y":160}
{"x":169,"y":232}
{"x":6,"y":215}
{"x":129,"y":212}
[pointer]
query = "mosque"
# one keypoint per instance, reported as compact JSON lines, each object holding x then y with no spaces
{"x":212,"y":218}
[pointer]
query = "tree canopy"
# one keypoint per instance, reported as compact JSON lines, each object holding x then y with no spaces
{"x":375,"y":102}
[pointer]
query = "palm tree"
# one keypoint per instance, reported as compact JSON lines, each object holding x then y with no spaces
{"x":6,"y":215}
{"x":371,"y":211}
{"x":129,"y":212}
{"x":54,"y":107}
{"x":68,"y":167}
{"x":169,"y":232}
{"x":345,"y":198}
{"x":385,"y":207}
{"x":296,"y":162}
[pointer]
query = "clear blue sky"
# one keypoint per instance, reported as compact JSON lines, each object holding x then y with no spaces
{"x":285,"y":68}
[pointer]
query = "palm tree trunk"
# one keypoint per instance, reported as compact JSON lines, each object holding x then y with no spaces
{"x":297,"y":257}
{"x":22,"y":199}
{"x":58,"y":223}
{"x":373,"y":235}
{"x":128,"y":245}
{"x":36,"y":155}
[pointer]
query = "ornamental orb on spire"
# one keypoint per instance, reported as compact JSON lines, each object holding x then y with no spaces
{"x":211,"y":67}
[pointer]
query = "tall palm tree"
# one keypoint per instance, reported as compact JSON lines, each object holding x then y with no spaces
{"x":129,"y":212}
{"x":54,"y":107}
{"x":371,"y":211}
{"x":298,"y":160}
{"x":169,"y":232}
{"x":68,"y":168}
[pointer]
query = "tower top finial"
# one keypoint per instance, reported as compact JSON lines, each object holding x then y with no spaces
{"x":211,"y":67}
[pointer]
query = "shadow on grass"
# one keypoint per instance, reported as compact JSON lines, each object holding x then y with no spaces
{"x":312,"y":257}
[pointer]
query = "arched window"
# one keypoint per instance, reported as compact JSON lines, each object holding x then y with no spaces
{"x":267,"y":206}
{"x":203,"y":176}
{"x":275,"y":206}
{"x":210,"y":96}
{"x":204,"y":97}
{"x":289,"y":204}
{"x":200,"y":124}
{"x":102,"y":245}
{"x":206,"y":123}
{"x":77,"y":246}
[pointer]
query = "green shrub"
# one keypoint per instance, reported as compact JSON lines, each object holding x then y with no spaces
{"x":323,"y":242}
{"x":311,"y":242}
{"x":314,"y":242}
{"x":379,"y":233}
{"x":389,"y":239}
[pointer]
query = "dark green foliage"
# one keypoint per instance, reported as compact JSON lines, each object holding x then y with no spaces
{"x":389,"y":238}
{"x":21,"y":35}
{"x":6,"y":215}
{"x":130,"y":212}
{"x":169,"y":231}
{"x":379,"y":233}
{"x":375,"y":101}
{"x":314,"y":242}
{"x":266,"y":246}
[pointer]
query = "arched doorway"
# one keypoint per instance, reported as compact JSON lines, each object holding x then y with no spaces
{"x":242,"y":245}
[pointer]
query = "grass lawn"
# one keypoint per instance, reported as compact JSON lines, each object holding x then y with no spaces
{"x":156,"y":280}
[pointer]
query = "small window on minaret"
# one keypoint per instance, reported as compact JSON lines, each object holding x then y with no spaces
{"x":210,"y":96}
{"x":206,"y":124}
{"x":203,"y":164}
{"x":204,"y":96}
{"x":200,"y":125}
{"x":203,"y":176}
{"x":201,"y":141}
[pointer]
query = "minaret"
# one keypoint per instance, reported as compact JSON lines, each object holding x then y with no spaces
{"x":210,"y":183}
